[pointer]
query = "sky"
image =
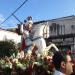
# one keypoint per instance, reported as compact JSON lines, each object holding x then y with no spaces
{"x":38,"y":9}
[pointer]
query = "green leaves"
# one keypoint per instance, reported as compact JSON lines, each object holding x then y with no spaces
{"x":7,"y":48}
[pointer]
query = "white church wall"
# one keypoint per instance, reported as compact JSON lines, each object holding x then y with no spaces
{"x":7,"y":35}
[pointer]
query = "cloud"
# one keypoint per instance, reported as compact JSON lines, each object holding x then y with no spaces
{"x":1,"y":18}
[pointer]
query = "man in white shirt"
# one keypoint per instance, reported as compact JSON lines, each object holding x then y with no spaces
{"x":62,"y":63}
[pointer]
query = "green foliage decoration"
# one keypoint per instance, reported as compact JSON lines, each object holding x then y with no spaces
{"x":7,"y":48}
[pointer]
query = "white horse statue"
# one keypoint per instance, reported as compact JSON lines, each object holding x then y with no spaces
{"x":40,"y":32}
{"x":38,"y":39}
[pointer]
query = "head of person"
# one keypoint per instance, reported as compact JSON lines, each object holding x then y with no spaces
{"x":29,"y":18}
{"x":29,"y":22}
{"x":63,"y":63}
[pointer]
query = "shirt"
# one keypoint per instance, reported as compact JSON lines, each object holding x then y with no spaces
{"x":58,"y":73}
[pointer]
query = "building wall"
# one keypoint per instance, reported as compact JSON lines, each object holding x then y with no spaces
{"x":7,"y":35}
{"x":65,"y":24}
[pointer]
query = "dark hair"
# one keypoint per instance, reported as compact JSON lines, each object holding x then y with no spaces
{"x":58,"y":58}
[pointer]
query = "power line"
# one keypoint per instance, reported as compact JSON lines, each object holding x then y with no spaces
{"x":14,"y":11}
{"x":16,"y":18}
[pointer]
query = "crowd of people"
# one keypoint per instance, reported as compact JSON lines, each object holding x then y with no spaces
{"x":58,"y":64}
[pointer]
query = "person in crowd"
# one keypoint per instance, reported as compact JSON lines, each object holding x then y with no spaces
{"x":62,"y":64}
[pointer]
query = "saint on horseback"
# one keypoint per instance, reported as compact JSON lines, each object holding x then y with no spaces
{"x":34,"y":37}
